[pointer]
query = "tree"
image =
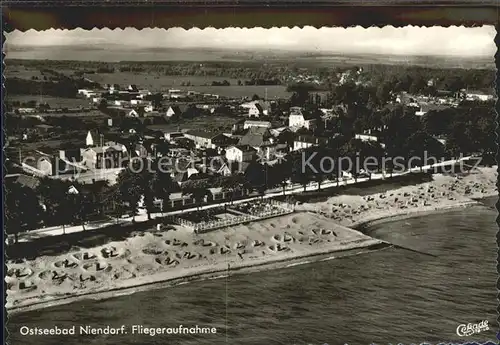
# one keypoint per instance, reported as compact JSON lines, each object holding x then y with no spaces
{"x":82,"y":206}
{"x":156,"y":100}
{"x":254,"y":176}
{"x":192,"y":111}
{"x":146,"y":181}
{"x":103,"y":105}
{"x":276,"y":175}
{"x":302,"y":172}
{"x":399,"y":124}
{"x":422,"y":146}
{"x":198,"y":193}
{"x":162,"y":148}
{"x":162,"y":183}
{"x":286,"y":137}
{"x":234,"y":183}
{"x":384,"y":93}
{"x":300,"y":98}
{"x":21,"y":209}
{"x":418,"y":85}
{"x":439,"y":122}
{"x":53,"y":194}
{"x":119,"y":206}
{"x":129,"y":188}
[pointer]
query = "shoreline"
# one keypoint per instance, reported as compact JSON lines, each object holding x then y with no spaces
{"x":307,"y":235}
{"x":207,"y":274}
{"x":244,"y":268}
{"x":394,"y":217}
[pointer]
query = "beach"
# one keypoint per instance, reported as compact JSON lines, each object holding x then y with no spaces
{"x":175,"y":254}
{"x":443,"y":192}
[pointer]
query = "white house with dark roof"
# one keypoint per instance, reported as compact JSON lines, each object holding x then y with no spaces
{"x":256,"y":137}
{"x":240,"y":153}
{"x":299,"y":118}
{"x":209,"y":140}
{"x":92,"y":138}
{"x":132,"y":88}
{"x":175,"y":110}
{"x":305,"y":141}
{"x":133,"y":113}
{"x":253,"y":123}
{"x":257,"y":108}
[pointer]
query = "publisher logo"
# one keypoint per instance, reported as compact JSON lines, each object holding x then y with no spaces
{"x":466,"y":330}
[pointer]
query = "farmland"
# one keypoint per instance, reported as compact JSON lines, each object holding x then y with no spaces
{"x":153,"y":81}
{"x":158,"y":83}
{"x":210,"y":123}
{"x":23,"y":72}
{"x":53,"y":102}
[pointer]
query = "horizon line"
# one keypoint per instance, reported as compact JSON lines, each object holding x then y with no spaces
{"x":292,"y":51}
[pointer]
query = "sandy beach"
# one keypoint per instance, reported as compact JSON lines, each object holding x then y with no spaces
{"x":441,"y":193}
{"x":177,"y":254}
{"x":154,"y":256}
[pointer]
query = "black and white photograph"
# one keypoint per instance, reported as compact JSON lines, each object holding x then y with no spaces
{"x":285,"y":185}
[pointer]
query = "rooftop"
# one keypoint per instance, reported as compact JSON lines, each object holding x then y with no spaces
{"x":312,"y":139}
{"x":254,"y":122}
{"x":245,"y":148}
{"x":27,"y":181}
{"x":203,"y":134}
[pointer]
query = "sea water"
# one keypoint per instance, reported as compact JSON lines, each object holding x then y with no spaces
{"x":389,"y":296}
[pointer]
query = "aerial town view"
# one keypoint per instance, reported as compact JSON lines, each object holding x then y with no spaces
{"x":289,"y":179}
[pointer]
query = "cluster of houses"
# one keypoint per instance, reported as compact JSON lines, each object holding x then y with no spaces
{"x":249,"y":140}
{"x":134,"y":102}
{"x":252,"y":139}
{"x":442,"y":100}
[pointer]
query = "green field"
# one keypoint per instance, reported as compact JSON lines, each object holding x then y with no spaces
{"x":50,"y":146}
{"x":155,"y":82}
{"x":210,"y":123}
{"x":54,"y":102}
{"x":23,"y":72}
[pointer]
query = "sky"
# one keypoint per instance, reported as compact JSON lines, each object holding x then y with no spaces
{"x":410,"y":40}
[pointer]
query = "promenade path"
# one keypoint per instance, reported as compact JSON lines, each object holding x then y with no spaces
{"x":270,"y":193}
